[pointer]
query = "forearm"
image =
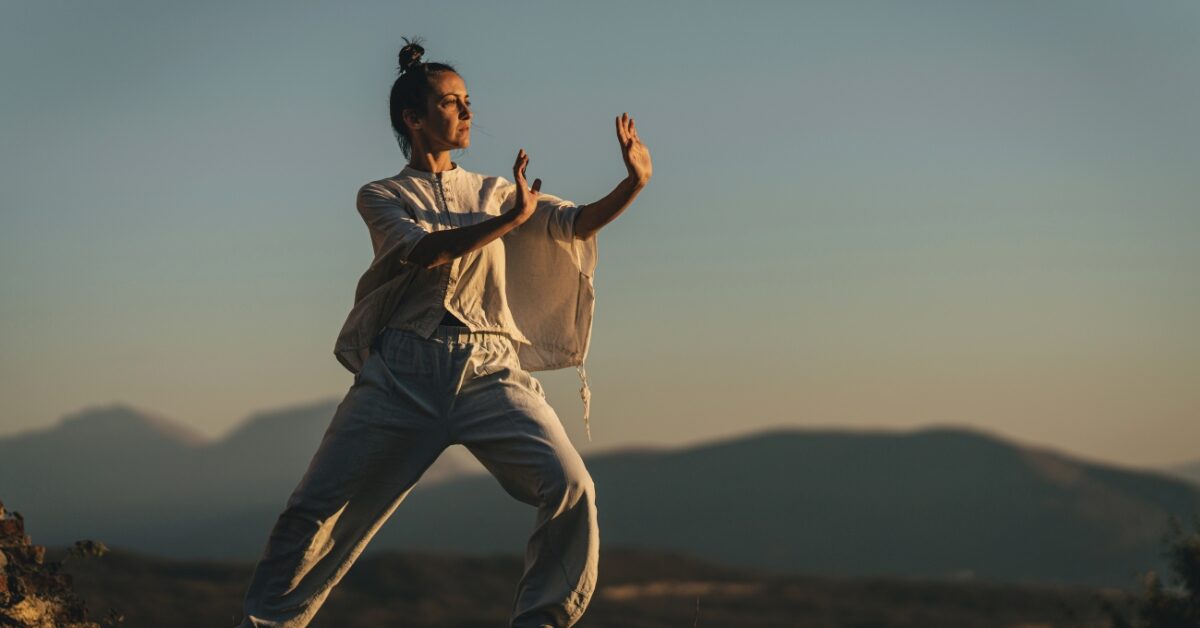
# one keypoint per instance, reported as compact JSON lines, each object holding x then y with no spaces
{"x":593,"y":216}
{"x":440,"y":247}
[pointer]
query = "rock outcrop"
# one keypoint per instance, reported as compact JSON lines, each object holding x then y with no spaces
{"x":34,"y":593}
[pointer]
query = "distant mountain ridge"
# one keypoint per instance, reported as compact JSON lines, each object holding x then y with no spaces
{"x":935,"y":502}
{"x":121,"y":418}
{"x":1189,"y":471}
{"x":121,"y":468}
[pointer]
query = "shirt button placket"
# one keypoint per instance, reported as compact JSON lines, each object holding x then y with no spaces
{"x":447,"y":220}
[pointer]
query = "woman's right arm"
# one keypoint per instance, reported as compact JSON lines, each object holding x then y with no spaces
{"x":440,"y":247}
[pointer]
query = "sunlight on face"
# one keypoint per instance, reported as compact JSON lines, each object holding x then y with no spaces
{"x":447,"y":121}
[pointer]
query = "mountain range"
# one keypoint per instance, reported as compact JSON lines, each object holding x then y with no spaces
{"x":1189,"y":471}
{"x":942,"y":502}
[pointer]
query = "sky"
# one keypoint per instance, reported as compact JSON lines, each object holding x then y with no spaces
{"x":879,"y":215}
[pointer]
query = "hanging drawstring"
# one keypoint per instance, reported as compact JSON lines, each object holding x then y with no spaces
{"x":585,"y":394}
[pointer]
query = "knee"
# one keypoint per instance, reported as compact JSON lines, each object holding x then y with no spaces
{"x":570,"y":489}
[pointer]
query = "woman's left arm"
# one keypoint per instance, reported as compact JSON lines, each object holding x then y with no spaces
{"x":595,"y":215}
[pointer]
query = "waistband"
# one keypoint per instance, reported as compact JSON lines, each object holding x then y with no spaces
{"x":459,"y":334}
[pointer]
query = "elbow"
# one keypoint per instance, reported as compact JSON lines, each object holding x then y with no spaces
{"x":417,"y":258}
{"x":426,"y":261}
{"x":424,"y":256}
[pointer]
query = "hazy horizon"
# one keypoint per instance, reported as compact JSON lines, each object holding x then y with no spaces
{"x":871,"y":216}
{"x":209,"y":438}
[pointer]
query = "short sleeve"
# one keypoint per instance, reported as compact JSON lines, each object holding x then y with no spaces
{"x":560,"y":216}
{"x":553,"y":215}
{"x":393,"y":230}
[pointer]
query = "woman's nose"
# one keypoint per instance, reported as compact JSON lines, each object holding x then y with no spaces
{"x":466,"y":113}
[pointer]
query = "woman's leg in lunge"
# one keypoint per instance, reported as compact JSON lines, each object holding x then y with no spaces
{"x":376,"y":448}
{"x":504,"y":420}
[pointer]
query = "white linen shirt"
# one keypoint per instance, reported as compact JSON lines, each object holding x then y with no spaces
{"x":534,"y":283}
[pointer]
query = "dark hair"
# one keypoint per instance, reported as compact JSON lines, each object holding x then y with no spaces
{"x":411,"y":89}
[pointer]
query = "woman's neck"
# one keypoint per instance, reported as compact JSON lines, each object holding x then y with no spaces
{"x":431,"y":162}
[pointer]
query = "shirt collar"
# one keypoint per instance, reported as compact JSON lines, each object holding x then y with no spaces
{"x":447,"y":175}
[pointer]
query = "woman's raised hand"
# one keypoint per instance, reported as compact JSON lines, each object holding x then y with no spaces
{"x":633,"y":151}
{"x":525,"y":197}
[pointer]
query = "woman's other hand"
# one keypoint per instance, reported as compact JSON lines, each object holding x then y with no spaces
{"x":633,"y":151}
{"x":525,"y":197}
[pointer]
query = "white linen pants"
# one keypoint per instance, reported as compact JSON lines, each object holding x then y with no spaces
{"x":413,"y":398}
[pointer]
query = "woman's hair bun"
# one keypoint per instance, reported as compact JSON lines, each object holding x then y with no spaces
{"x":410,"y":54}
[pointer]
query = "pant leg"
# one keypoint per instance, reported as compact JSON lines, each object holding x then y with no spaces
{"x":501,"y":415}
{"x":383,"y":436}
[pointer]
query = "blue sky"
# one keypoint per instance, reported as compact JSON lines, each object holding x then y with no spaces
{"x":871,"y":215}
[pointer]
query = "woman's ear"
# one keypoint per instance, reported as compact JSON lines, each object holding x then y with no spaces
{"x":411,"y":119}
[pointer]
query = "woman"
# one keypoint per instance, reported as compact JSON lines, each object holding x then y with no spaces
{"x":476,"y":282}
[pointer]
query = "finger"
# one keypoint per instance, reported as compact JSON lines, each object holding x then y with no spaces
{"x":519,"y":173}
{"x":620,"y":131}
{"x":537,"y":185}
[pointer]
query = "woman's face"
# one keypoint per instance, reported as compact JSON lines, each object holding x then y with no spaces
{"x":447,"y":121}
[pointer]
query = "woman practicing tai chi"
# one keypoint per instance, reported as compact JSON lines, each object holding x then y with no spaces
{"x":476,"y":281}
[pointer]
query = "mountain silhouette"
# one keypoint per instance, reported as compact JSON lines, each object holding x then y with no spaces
{"x":936,"y":502}
{"x":113,"y":470}
{"x":1189,"y":471}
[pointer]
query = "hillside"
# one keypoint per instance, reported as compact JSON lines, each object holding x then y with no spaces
{"x":638,"y":589}
{"x":939,"y":502}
